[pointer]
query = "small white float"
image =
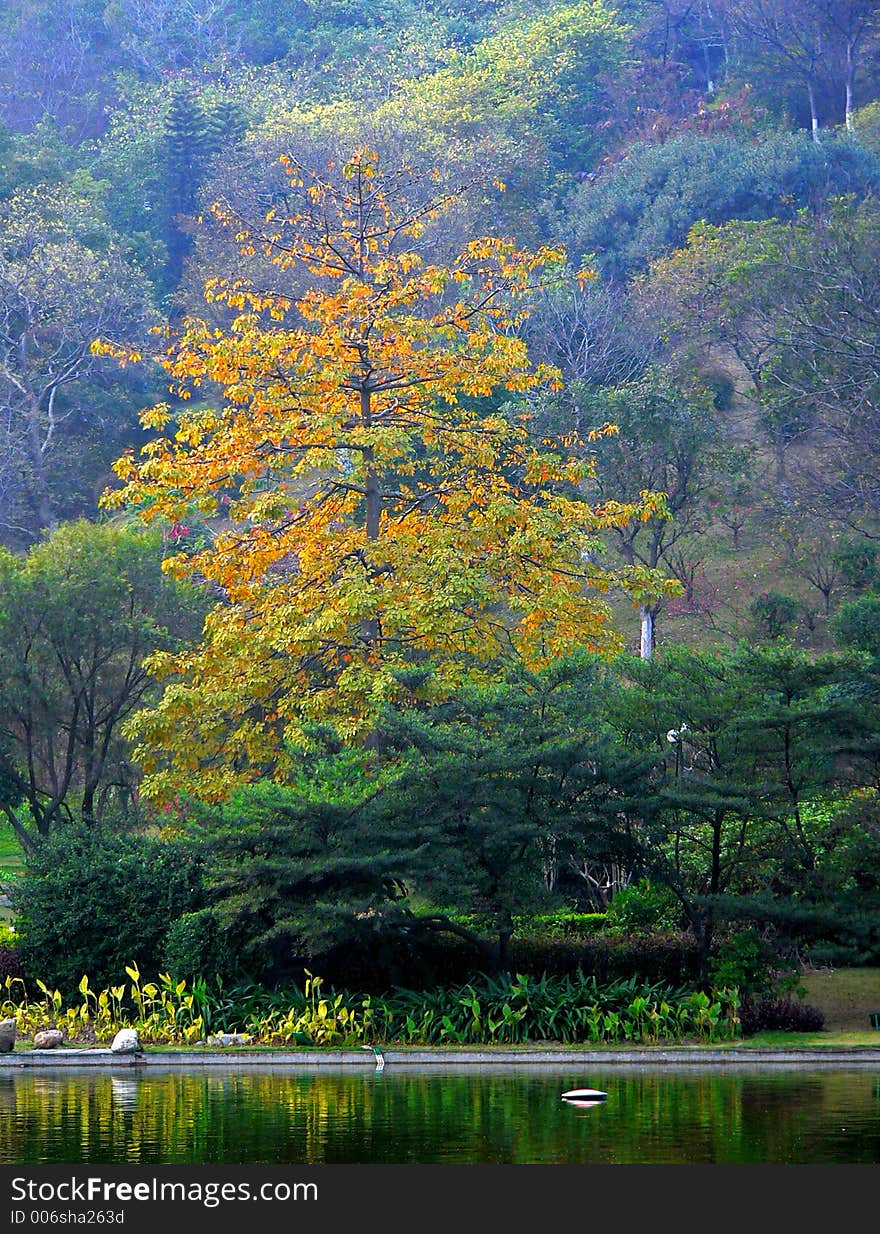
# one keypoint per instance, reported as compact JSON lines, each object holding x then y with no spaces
{"x":584,"y":1094}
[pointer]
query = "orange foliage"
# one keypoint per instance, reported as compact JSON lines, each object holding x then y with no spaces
{"x":375,"y":515}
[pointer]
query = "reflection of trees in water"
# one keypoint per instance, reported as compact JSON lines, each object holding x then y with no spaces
{"x":359,"y":1116}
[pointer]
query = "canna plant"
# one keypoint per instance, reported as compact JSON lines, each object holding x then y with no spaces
{"x":503,"y":1011}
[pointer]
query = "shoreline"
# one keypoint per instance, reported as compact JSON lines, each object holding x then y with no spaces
{"x":363,"y":1059}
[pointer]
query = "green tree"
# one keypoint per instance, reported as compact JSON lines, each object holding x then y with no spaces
{"x":502,"y":792}
{"x":95,"y":899}
{"x":186,"y":144}
{"x":644,"y":206}
{"x":795,"y":301}
{"x":791,"y":37}
{"x":484,"y":807}
{"x":744,"y":743}
{"x":78,"y":615}
{"x":816,"y":48}
{"x":669,"y":440}
{"x":64,"y":278}
{"x":293,"y":870}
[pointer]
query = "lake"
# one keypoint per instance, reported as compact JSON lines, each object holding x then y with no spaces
{"x":509,"y":1114}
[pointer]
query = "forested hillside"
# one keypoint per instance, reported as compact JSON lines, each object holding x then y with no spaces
{"x":612,"y":275}
{"x":667,"y":145}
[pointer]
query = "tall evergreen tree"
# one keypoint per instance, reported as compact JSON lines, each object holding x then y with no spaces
{"x":186,"y":147}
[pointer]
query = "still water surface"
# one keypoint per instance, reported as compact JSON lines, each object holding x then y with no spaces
{"x":508,"y":1114}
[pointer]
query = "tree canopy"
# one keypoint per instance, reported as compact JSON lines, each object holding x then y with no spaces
{"x":383,"y":509}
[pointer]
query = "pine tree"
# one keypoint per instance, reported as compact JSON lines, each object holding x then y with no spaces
{"x":225,"y":125}
{"x":186,"y":145}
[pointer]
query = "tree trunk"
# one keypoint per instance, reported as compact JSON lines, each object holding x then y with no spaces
{"x":372,"y":498}
{"x":814,"y":115}
{"x":646,"y":614}
{"x":373,"y":503}
{"x":502,"y":953}
{"x":41,"y":499}
{"x":504,"y":925}
{"x":707,"y":916}
{"x":705,"y":936}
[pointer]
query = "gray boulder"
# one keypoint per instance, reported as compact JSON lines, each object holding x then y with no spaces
{"x":126,"y":1041}
{"x":7,"y":1036}
{"x":48,"y":1039}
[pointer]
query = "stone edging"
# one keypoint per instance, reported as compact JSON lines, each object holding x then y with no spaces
{"x":243,"y":1059}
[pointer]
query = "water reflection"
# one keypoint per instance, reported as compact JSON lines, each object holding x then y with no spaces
{"x":505,"y":1114}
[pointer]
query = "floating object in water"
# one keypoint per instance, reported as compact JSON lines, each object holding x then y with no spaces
{"x":584,"y":1094}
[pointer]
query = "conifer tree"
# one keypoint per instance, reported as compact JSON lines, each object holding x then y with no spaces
{"x":186,"y":144}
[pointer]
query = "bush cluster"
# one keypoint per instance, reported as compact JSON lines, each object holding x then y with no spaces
{"x":94,"y":898}
{"x":444,"y":961}
{"x":784,"y":1015}
{"x":10,"y":965}
{"x":643,"y":907}
{"x":508,"y":1009}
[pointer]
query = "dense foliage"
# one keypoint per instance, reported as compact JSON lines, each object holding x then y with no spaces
{"x":505,"y":1011}
{"x":484,"y":343}
{"x":98,"y":898}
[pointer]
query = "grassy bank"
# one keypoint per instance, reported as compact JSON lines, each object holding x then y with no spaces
{"x":11,"y":865}
{"x":845,"y":996}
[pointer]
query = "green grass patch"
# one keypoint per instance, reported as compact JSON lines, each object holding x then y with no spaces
{"x":845,"y":996}
{"x":801,"y":1041}
{"x":11,"y":856}
{"x":11,"y":864}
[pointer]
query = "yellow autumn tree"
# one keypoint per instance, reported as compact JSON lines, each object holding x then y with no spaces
{"x":374,"y":530}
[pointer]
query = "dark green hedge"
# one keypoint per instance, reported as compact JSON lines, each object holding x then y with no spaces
{"x":94,"y":899}
{"x":444,"y":961}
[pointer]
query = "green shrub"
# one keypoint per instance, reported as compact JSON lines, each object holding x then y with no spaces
{"x":643,"y":907}
{"x":443,"y":961}
{"x":197,"y":945}
{"x":93,"y":899}
{"x":507,"y":1009}
{"x":856,"y":558}
{"x":749,"y":962}
{"x":515,"y":1008}
{"x":774,"y":613}
{"x":722,"y":388}
{"x":856,"y":624}
{"x":866,"y":122}
{"x":832,"y":954}
{"x":564,"y":923}
{"x":670,"y":958}
{"x":646,"y":204}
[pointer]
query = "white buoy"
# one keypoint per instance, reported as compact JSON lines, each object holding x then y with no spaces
{"x":584,"y":1094}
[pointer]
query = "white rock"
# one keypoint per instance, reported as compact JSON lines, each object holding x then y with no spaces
{"x":229,"y":1039}
{"x":126,"y":1041}
{"x":48,"y":1039}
